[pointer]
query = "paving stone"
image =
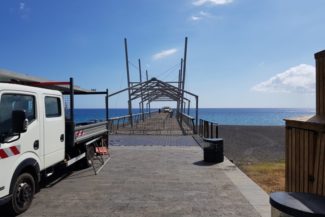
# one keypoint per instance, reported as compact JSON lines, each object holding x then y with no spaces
{"x":146,"y":181}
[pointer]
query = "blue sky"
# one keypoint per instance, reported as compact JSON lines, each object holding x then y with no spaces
{"x":241,"y":53}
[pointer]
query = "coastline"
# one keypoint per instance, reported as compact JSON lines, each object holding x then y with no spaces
{"x":253,"y":144}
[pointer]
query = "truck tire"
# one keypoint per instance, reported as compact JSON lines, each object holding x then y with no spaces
{"x":23,"y":193}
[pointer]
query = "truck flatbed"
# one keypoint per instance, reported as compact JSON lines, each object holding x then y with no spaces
{"x":89,"y":131}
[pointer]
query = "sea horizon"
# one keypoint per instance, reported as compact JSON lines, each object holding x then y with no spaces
{"x":218,"y":108}
{"x":222,"y":116}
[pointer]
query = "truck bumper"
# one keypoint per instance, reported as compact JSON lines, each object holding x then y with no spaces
{"x":5,"y":199}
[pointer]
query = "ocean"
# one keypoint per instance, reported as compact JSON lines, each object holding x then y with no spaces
{"x":222,"y":116}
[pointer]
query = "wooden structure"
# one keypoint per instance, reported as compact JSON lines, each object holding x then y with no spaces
{"x":305,"y":143}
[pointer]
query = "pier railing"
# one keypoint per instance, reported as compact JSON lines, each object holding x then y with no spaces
{"x":122,"y":121}
{"x":189,"y":121}
{"x":208,"y":129}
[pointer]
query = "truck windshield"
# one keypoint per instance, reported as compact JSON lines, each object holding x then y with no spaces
{"x":12,"y":102}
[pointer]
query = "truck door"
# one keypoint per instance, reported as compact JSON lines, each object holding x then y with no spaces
{"x":29,"y":142}
{"x":54,"y":127}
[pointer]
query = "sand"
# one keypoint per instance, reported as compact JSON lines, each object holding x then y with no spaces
{"x":252,"y":144}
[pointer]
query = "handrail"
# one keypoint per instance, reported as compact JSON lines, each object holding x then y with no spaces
{"x":119,"y":117}
{"x":188,"y":116}
{"x":90,"y":125}
{"x":189,"y":121}
{"x":116,"y":122}
{"x":208,"y":129}
{"x":209,"y":121}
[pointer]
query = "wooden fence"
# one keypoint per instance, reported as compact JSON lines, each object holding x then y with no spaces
{"x":305,"y":143}
{"x":305,"y":171}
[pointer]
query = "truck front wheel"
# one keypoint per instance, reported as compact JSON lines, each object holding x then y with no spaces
{"x":23,"y":193}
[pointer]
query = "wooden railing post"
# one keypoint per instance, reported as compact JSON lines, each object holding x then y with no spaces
{"x":320,"y":83}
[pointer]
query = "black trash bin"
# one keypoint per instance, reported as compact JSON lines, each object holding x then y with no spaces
{"x":213,"y":150}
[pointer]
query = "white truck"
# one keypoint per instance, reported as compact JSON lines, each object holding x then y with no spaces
{"x":38,"y":133}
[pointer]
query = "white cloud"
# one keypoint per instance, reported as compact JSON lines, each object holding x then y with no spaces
{"x":195,"y":18}
{"x":204,"y":14}
{"x":24,"y":11}
{"x":201,"y":15}
{"x":212,"y":2}
{"x":164,"y":53}
{"x":21,"y":6}
{"x":298,"y":79}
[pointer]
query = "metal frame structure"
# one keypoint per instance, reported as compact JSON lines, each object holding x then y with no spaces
{"x":156,"y":90}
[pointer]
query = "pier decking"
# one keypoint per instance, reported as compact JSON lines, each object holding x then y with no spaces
{"x":156,"y":124}
{"x":150,"y":181}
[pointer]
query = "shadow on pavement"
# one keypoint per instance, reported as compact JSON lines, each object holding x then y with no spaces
{"x":203,"y":163}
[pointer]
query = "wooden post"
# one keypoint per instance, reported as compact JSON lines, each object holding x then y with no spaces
{"x":320,"y":83}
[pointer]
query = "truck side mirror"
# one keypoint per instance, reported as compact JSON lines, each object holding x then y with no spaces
{"x":19,"y":121}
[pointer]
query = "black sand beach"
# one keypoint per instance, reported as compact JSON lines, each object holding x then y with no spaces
{"x":245,"y":144}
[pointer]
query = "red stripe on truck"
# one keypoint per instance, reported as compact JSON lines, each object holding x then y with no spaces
{"x":3,"y":154}
{"x":14,"y":150}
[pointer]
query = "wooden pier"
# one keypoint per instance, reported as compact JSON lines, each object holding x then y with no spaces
{"x":155,"y":124}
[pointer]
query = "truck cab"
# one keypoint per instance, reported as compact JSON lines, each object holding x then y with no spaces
{"x":39,"y":113}
{"x":38,"y":132}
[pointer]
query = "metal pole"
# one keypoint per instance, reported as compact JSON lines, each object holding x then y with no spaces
{"x":184,"y":66}
{"x":147,"y":91}
{"x":107,"y":117}
{"x":196,"y":113}
{"x":128,"y":80}
{"x":71,"y":100}
{"x":184,"y":73}
{"x":106,"y":105}
{"x":188,"y":108}
{"x":182,"y":91}
{"x":148,"y":110}
{"x":141,"y":90}
{"x":179,"y":87}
